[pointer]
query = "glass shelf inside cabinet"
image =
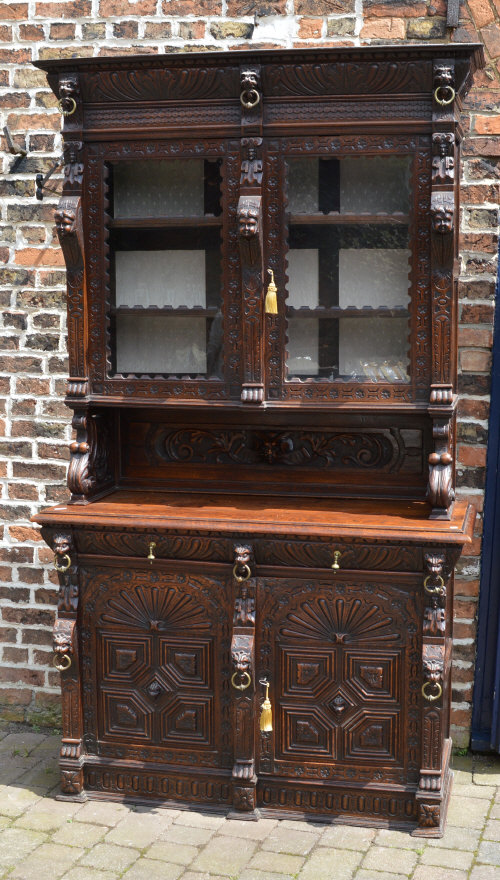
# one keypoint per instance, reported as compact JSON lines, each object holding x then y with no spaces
{"x":165,"y":257}
{"x":348,"y":267}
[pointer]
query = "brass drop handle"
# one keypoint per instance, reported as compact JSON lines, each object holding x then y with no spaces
{"x":241,"y":578}
{"x":63,"y":663}
{"x":434,"y":591}
{"x":151,"y":555}
{"x":431,"y":697}
{"x":65,"y":566}
{"x":245,"y":680}
{"x":441,"y":92}
{"x":336,"y":556}
{"x":67,"y":112}
{"x":249,"y":98}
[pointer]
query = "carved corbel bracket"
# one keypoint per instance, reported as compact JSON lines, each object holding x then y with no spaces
{"x":443,"y":88}
{"x":251,"y":99}
{"x":434,"y":623}
{"x":70,"y":103}
{"x":90,"y":470}
{"x":443,"y":160}
{"x":73,"y":166}
{"x":442,"y":211}
{"x":251,"y":163}
{"x":433,"y":671}
{"x":63,"y":641}
{"x":68,"y":220}
{"x":440,"y":489}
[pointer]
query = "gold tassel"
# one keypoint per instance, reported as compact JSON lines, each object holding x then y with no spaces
{"x":271,"y":304}
{"x":266,"y":715}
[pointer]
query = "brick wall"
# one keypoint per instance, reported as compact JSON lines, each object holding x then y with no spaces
{"x":34,"y":424}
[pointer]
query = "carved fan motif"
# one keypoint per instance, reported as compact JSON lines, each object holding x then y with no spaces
{"x":340,"y":621}
{"x":156,"y":610}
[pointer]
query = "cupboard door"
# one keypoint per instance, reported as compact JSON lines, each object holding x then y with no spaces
{"x":156,"y":675}
{"x":343,"y":662}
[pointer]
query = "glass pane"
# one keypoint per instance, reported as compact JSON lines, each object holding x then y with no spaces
{"x":374,"y":349}
{"x":376,"y":277}
{"x":360,"y":185}
{"x":161,"y":344}
{"x":159,"y":188}
{"x":160,"y":278}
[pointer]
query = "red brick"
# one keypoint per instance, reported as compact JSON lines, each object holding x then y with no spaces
{"x":491,"y":37}
{"x":42,"y":658}
{"x":384,"y":29}
{"x":14,"y":12}
{"x":461,"y":717}
{"x":482,"y":12}
{"x":62,"y":31}
{"x":31,"y":32}
{"x":32,"y":386}
{"x":475,"y":361}
{"x":44,"y":596}
{"x":107,"y":51}
{"x":108,"y":8}
{"x":310,"y":28}
{"x":481,"y":313}
{"x":29,"y":122}
{"x":67,"y":9}
{"x":39,"y":257}
{"x":403,"y":10}
{"x":28,"y":616}
{"x":474,"y":456}
{"x":23,"y":492}
{"x":487,"y":124}
{"x":475,"y":336}
{"x":236,"y":8}
{"x":476,"y":194}
{"x":22,"y":676}
{"x":323,"y":7}
{"x":466,"y":588}
{"x":15,"y":56}
{"x":479,"y":241}
{"x":477,"y":289}
{"x":480,"y":146}
{"x":464,"y":609}
{"x":15,"y":697}
{"x":15,"y":655}
{"x":35,"y":636}
{"x":158,"y":30}
{"x":126,"y":30}
{"x":24,"y":533}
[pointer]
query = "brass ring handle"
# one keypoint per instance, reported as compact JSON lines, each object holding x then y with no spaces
{"x":241,"y":686}
{"x":62,"y":567}
{"x":249,"y":98}
{"x":241,"y":578}
{"x":436,"y":591}
{"x":63,"y":664}
{"x":67,"y":112}
{"x":431,"y":697}
{"x":444,"y":101}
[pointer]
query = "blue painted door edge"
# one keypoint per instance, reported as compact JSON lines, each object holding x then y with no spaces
{"x":486,"y":700}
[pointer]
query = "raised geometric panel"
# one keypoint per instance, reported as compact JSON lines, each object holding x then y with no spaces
{"x":373,"y":676}
{"x":124,"y":657}
{"x":306,"y":674}
{"x":374,"y":736}
{"x":306,"y":733}
{"x":187,"y":661}
{"x":187,"y":721}
{"x":126,"y":714}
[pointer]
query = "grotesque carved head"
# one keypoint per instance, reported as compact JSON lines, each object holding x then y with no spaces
{"x":68,"y":93}
{"x":61,"y":544}
{"x":61,"y":642}
{"x":249,"y":80}
{"x":242,"y":554}
{"x":248,"y":220}
{"x":442,"y":219}
{"x":65,"y":219}
{"x":443,"y":75}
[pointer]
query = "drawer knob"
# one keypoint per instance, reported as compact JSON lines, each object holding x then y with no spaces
{"x":151,"y":555}
{"x":336,"y":557}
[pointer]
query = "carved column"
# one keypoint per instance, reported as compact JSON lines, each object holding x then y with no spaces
{"x":250,"y":235}
{"x":435,"y":779}
{"x":66,"y":659}
{"x":441,"y":491}
{"x":243,"y":684}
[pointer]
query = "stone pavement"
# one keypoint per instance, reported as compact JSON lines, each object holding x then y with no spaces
{"x":44,"y":839}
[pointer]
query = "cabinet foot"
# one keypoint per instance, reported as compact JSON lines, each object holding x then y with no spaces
{"x":252,"y":816}
{"x":432,"y":811}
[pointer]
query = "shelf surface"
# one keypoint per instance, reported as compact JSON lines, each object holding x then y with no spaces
{"x":405,"y":520}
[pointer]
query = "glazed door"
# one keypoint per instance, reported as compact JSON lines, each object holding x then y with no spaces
{"x":342,"y":657}
{"x":156,"y":675}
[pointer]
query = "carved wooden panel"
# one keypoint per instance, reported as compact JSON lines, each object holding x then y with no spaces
{"x":155,"y":643}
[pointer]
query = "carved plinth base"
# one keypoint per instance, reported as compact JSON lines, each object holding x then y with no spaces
{"x":252,"y":816}
{"x":432,"y":807}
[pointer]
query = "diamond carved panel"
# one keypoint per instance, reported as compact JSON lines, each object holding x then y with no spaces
{"x":373,"y":676}
{"x":306,"y":674}
{"x":186,"y":662}
{"x":124,"y":658}
{"x":127,"y":715}
{"x":188,"y":721}
{"x":373,"y":735}
{"x":307,"y":732}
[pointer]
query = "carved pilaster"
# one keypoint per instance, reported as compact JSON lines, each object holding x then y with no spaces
{"x":252,"y":274}
{"x":243,"y":683}
{"x":434,"y":623}
{"x":90,"y":469}
{"x":68,"y":220}
{"x":70,"y":103}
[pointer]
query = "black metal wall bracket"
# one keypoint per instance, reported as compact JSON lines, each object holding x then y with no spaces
{"x":41,"y":179}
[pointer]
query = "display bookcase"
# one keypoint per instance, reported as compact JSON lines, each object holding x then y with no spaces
{"x":262,"y":320}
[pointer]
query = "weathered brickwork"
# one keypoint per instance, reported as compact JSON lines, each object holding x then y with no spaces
{"x":34,"y":424}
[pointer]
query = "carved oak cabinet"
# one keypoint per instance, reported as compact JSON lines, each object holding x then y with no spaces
{"x":256,"y":563}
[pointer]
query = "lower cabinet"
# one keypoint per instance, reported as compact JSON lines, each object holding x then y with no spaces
{"x":259,"y":689}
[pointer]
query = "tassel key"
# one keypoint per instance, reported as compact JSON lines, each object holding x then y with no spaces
{"x":271,"y":304}
{"x":266,"y":715}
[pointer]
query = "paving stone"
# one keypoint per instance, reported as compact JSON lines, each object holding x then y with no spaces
{"x":447,"y":858}
{"x":483,"y":872}
{"x":473,"y":791}
{"x":50,"y":744}
{"x":286,"y":840}
{"x":177,"y":853}
{"x":462,"y":777}
{"x":384,"y":858}
{"x":326,"y":864}
{"x":455,"y":838}
{"x":462,"y":762}
{"x":423,"y":873}
{"x":79,"y":834}
{"x":492,"y":830}
{"x":48,"y":862}
{"x":107,"y":855}
{"x":486,"y":770}
{"x":469,"y":812}
{"x":43,"y":777}
{"x":138,"y":829}
{"x":252,"y":874}
{"x":47,"y":815}
{"x":89,"y":874}
{"x":195,"y":875}
{"x":22,"y":739}
{"x":102,"y":813}
{"x":16,"y":844}
{"x":489,"y":852}
{"x":495,"y":811}
{"x":379,"y":875}
{"x":192,"y":836}
{"x":5,"y":821}
{"x":347,"y":837}
{"x":250,"y":830}
{"x":398,"y":839}
{"x":147,"y":869}
{"x":199,"y":820}
{"x":302,"y":826}
{"x":222,"y":855}
{"x":280,"y":863}
{"x":15,"y":801}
